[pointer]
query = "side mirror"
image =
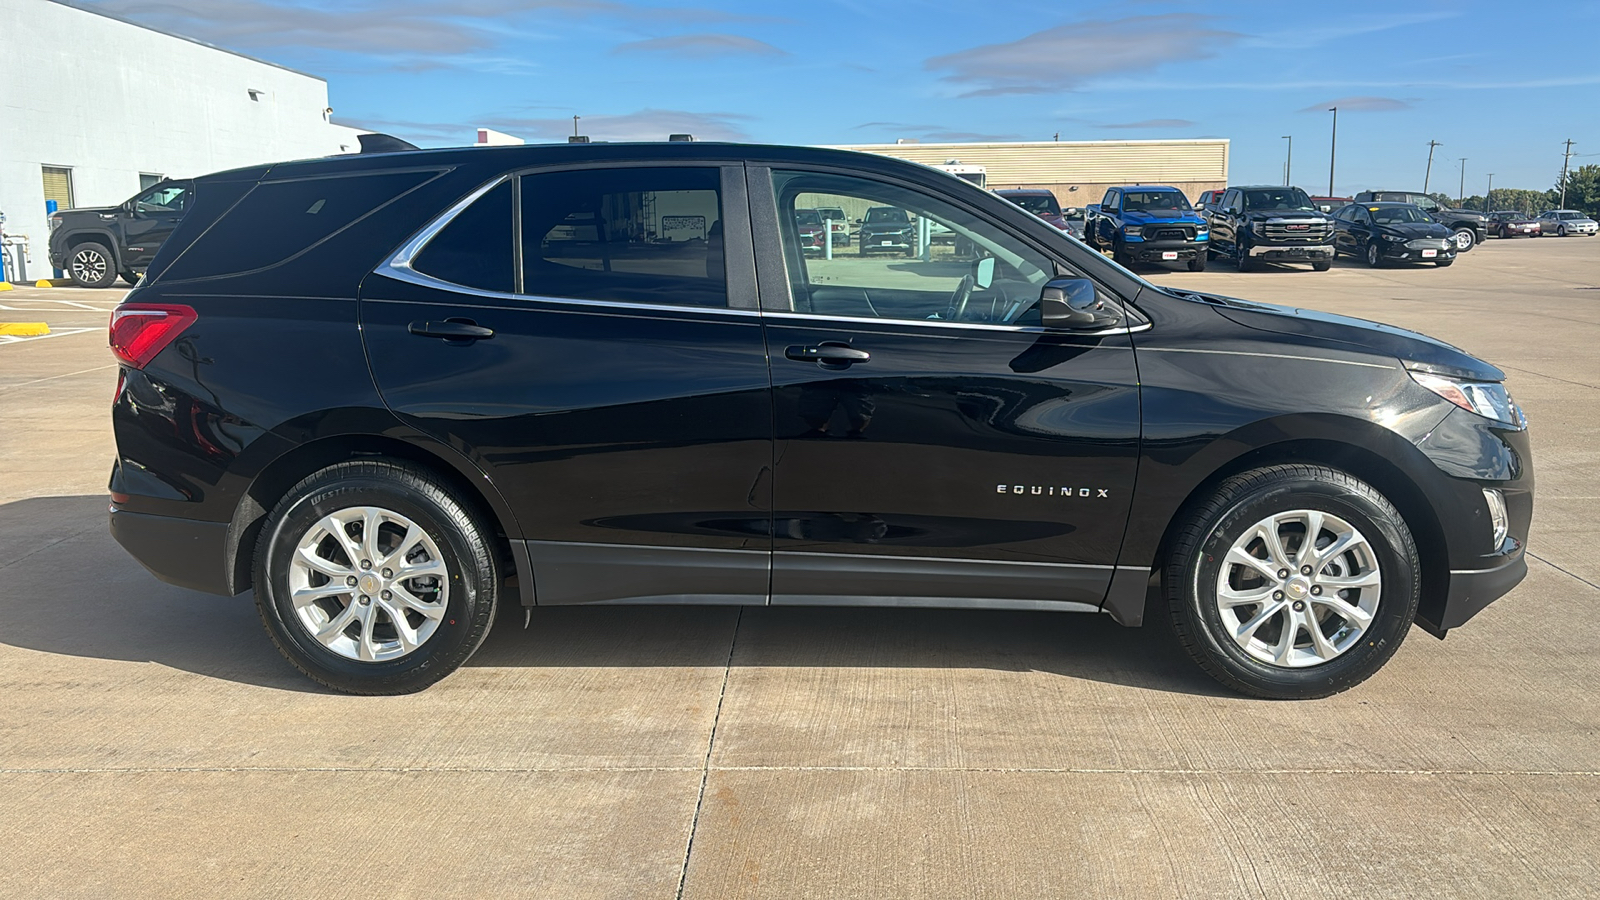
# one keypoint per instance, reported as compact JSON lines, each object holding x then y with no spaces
{"x":129,"y":206}
{"x":983,"y":273}
{"x":1074,"y":304}
{"x":855,"y":221}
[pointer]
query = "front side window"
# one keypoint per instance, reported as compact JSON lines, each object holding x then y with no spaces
{"x":171,"y":198}
{"x":910,"y":258}
{"x":625,"y":235}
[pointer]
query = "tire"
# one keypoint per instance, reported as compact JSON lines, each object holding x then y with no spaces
{"x":1198,"y":264}
{"x":1465,"y":239}
{"x":454,"y":604}
{"x":1203,"y":563}
{"x":91,"y":265}
{"x":1562,"y":231}
{"x":1244,"y":260}
{"x":1322,"y":266}
{"x":1374,"y":255}
{"x":1444,"y":263}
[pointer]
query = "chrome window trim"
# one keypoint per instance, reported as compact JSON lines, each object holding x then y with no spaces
{"x":935,"y":323}
{"x":401,"y":259}
{"x":412,"y":276}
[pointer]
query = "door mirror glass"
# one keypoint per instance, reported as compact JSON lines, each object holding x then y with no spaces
{"x":1074,"y":303}
{"x":983,"y":273}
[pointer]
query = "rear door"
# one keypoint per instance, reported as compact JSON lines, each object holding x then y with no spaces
{"x":934,"y":444}
{"x":605,"y":370}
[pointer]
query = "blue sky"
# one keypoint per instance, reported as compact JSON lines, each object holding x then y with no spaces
{"x":1503,"y":84}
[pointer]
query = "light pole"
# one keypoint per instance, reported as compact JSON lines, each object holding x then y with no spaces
{"x":1333,"y":147}
{"x":1461,"y":190}
{"x":1487,"y":194}
{"x":1288,"y":160}
{"x":1429,"y":172}
{"x":1565,"y":159}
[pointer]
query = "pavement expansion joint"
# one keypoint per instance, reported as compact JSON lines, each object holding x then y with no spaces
{"x":706,"y":770}
{"x":1563,"y":571}
{"x":711,"y":743}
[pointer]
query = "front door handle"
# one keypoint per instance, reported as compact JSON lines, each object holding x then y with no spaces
{"x":828,"y":354}
{"x":451,"y":330}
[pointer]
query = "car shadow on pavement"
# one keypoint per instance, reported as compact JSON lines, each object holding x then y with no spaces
{"x":67,"y":588}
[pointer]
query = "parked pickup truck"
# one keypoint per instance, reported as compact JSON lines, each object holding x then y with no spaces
{"x":1147,"y":223}
{"x":1270,"y":224}
{"x":95,"y":245}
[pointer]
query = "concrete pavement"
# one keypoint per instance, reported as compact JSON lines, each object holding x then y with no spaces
{"x":152,"y":742}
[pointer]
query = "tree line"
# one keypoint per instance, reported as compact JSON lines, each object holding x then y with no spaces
{"x":1583,"y":193}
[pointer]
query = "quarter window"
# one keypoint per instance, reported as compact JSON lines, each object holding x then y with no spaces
{"x":908,"y":256}
{"x":476,"y":248}
{"x":628,"y":235}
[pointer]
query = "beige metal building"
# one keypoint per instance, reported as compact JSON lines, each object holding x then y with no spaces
{"x":1078,"y":172}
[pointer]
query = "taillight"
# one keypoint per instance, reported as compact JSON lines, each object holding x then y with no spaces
{"x":139,"y":331}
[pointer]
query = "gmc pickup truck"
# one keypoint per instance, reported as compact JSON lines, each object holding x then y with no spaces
{"x":1270,"y":224}
{"x":1147,"y":223}
{"x":95,"y":245}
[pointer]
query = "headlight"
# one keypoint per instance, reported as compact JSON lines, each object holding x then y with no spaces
{"x":1133,"y":230}
{"x":1487,"y":399}
{"x":1394,"y":237}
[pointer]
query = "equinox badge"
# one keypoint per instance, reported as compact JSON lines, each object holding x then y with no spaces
{"x":1044,"y":490}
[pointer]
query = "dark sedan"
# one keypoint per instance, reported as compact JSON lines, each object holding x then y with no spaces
{"x":1383,"y":233}
{"x":1508,"y":223}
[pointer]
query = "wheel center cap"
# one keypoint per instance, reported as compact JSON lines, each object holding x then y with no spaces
{"x":370,"y":584}
{"x":1297,"y":588}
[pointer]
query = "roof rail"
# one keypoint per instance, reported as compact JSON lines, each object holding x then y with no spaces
{"x":383,"y":143}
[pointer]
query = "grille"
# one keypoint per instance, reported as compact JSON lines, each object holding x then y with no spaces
{"x":1297,"y":232}
{"x":1171,"y":233}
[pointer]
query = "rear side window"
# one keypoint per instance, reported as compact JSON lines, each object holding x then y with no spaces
{"x":628,"y":235}
{"x":476,"y":249}
{"x":278,"y":220}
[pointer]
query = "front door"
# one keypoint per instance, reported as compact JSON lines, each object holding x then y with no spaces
{"x":932,"y":442}
{"x":614,"y":390}
{"x":155,"y":215}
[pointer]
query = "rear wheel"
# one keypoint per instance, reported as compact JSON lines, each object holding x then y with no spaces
{"x":91,"y":265}
{"x":1293,"y":582}
{"x":372,"y":579}
{"x":1465,"y":238}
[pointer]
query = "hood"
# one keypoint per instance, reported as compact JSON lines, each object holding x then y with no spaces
{"x":88,"y":211}
{"x":1466,"y":214}
{"x":1187,"y":216}
{"x":1053,"y":219}
{"x":1417,"y":229}
{"x":1414,"y":349}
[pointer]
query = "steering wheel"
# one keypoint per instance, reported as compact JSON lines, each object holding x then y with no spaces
{"x":959,"y":298}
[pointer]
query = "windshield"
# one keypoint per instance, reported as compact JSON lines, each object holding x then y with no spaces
{"x":1146,"y":200}
{"x":807,"y":217}
{"x":1280,"y":198}
{"x":1038,"y":204}
{"x":1397,"y":215}
{"x":831,"y":212}
{"x":881,"y":215}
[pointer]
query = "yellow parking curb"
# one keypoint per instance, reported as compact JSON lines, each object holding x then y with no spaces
{"x":53,"y":282}
{"x":5,"y":286}
{"x":23,"y":329}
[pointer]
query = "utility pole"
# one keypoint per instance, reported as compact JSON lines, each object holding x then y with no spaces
{"x":1564,"y":161}
{"x":1462,"y":195}
{"x":1288,"y":161}
{"x":574,"y":126}
{"x":1429,"y":172}
{"x":1487,"y":194}
{"x":1333,"y":147}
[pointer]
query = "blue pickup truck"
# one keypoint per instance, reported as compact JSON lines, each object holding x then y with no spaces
{"x":1148,"y":223}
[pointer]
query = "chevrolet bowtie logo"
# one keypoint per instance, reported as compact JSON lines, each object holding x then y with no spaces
{"x":1046,"y":490}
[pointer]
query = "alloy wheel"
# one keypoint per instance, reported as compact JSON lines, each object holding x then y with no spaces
{"x":1299,"y":588}
{"x":88,"y":266}
{"x":1464,"y":240}
{"x":368,"y":584}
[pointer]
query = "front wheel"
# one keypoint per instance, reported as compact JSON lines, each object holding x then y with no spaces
{"x":1244,"y":260}
{"x":1444,"y":263}
{"x":91,"y":265}
{"x":1374,"y":255}
{"x":1323,"y":266}
{"x":1198,"y":264}
{"x":371,"y":578}
{"x":1562,"y":231}
{"x":1293,"y":582}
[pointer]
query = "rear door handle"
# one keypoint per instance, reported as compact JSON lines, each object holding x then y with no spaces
{"x":451,"y":330}
{"x":828,"y":354}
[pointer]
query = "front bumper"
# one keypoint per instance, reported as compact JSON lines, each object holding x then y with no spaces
{"x":1154,"y":251}
{"x":1416,"y":251}
{"x":1302,"y":253}
{"x":1471,"y":590}
{"x":884,"y":243}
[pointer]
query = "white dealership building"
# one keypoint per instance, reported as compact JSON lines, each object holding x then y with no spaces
{"x":93,"y":108}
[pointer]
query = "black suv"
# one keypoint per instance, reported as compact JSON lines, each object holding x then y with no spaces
{"x":1469,"y":227}
{"x":95,"y":245}
{"x":1269,"y":223}
{"x":392,"y":391}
